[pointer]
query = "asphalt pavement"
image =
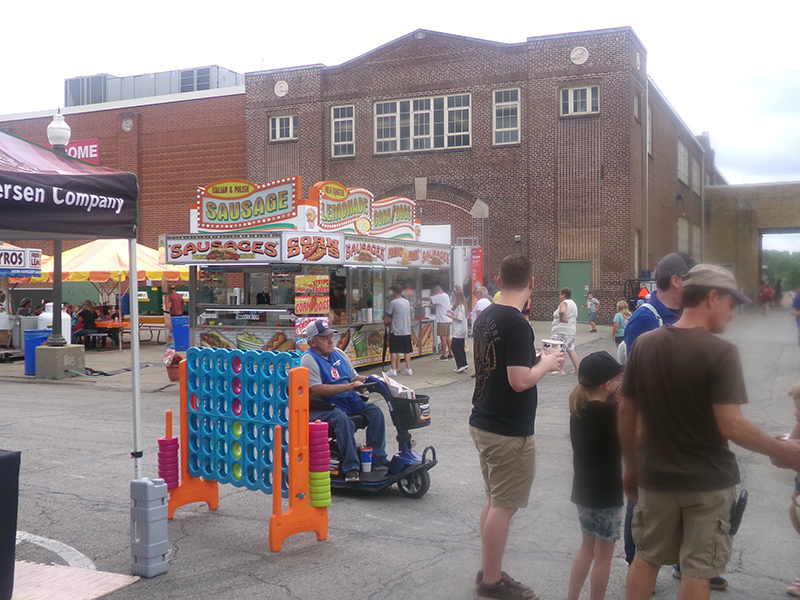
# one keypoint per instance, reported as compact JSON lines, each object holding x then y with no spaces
{"x":76,"y":437}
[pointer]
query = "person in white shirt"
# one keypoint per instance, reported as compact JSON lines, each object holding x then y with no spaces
{"x":398,"y":317}
{"x":459,"y":330}
{"x":482,"y":301}
{"x":442,"y":303}
{"x":564,"y":326}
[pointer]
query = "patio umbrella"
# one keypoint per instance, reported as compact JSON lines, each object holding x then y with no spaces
{"x":107,"y":260}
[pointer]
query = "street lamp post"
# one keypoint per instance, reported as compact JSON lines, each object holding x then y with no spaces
{"x":58,"y":133}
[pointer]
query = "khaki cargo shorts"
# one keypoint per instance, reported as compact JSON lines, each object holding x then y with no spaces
{"x":690,"y":528}
{"x":508,"y":465}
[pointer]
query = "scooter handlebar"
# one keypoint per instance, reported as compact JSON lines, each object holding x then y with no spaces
{"x":370,"y":385}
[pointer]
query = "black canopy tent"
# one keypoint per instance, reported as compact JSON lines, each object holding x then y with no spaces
{"x":47,"y":195}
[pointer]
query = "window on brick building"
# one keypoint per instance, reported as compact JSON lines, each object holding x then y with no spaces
{"x":423,"y":124}
{"x":650,"y":129}
{"x":583,"y":100}
{"x":697,"y":242}
{"x":506,"y":117}
{"x":683,"y":235}
{"x":343,"y":131}
{"x":697,"y":184}
{"x":283,"y":128}
{"x":683,"y":162}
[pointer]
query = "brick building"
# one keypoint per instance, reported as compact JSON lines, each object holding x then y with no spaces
{"x":579,"y":159}
{"x":172,"y":143}
{"x":560,"y":147}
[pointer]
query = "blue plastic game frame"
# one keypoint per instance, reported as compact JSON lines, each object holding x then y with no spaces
{"x":234,"y":400}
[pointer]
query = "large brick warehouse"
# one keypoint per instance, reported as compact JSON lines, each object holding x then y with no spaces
{"x":580,"y":161}
{"x":560,"y":147}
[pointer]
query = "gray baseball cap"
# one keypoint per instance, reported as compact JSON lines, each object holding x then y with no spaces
{"x":716,"y":277}
{"x":318,"y":327}
{"x":674,"y":264}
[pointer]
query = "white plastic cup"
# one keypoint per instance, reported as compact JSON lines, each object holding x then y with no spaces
{"x":552,"y":346}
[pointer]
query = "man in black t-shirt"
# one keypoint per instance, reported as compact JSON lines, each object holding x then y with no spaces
{"x":502,"y":420}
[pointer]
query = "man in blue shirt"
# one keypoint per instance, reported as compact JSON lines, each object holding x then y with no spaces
{"x":333,"y":380}
{"x":666,"y":300}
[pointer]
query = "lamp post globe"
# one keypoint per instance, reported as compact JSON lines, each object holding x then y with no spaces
{"x":58,"y":133}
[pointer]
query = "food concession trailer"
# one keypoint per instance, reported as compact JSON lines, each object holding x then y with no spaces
{"x":265,"y":263}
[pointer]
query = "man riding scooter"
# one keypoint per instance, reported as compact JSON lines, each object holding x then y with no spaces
{"x":333,"y":380}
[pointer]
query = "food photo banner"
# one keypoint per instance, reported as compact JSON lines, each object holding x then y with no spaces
{"x":300,"y":248}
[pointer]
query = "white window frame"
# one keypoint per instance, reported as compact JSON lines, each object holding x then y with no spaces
{"x":505,"y":109}
{"x":284,"y":128}
{"x":650,"y":129}
{"x":580,"y":100}
{"x":697,"y":183}
{"x":683,"y":163}
{"x":420,"y":124}
{"x":343,"y":143}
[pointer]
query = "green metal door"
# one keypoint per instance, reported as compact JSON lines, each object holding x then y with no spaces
{"x":577,"y":276}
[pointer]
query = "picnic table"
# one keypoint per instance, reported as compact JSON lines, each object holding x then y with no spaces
{"x":113,"y":330}
{"x":152,"y":324}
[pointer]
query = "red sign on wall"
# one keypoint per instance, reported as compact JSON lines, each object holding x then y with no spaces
{"x":477,"y":270}
{"x":86,"y":150}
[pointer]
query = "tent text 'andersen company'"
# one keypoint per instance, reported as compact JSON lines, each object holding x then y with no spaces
{"x":59,"y":196}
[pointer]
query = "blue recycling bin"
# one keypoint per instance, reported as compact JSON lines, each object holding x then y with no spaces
{"x":33,"y":339}
{"x":180,"y":333}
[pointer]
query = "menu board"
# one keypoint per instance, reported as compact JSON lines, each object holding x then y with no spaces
{"x":312,"y":294}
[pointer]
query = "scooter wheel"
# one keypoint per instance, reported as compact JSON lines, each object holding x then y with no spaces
{"x":415,"y":485}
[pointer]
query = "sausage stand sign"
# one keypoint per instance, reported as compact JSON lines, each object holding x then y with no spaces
{"x":271,"y":242}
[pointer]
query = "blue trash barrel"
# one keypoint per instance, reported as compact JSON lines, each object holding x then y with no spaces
{"x":125,"y":303}
{"x":180,"y":333}
{"x":33,"y":339}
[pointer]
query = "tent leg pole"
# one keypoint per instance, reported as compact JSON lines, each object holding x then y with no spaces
{"x":137,"y":396}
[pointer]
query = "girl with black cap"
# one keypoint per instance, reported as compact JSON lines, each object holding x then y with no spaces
{"x":597,"y":464}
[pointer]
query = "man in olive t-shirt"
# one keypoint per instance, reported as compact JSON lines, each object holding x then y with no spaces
{"x":686,"y":387}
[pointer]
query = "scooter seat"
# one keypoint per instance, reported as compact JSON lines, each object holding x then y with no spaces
{"x":360,"y":421}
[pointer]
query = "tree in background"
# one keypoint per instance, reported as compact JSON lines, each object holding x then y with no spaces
{"x":783,"y":265}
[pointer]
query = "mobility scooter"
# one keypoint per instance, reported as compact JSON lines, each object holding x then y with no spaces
{"x":408,"y":469}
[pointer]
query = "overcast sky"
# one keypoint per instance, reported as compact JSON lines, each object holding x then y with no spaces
{"x":732,"y":72}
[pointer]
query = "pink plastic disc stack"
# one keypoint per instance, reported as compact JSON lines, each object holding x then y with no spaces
{"x":319,"y":464}
{"x":168,"y":469}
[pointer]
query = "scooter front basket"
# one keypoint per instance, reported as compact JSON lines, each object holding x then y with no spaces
{"x":413,"y":412}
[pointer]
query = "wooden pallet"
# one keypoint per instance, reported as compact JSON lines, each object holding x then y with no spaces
{"x":35,"y":581}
